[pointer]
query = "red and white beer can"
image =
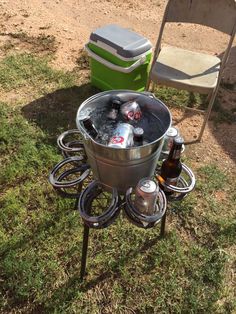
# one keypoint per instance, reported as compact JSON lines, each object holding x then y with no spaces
{"x":131,"y":110}
{"x":122,"y":136}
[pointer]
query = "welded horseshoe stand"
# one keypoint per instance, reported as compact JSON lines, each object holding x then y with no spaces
{"x":84,"y":251}
{"x":68,"y":178}
{"x":101,"y":222}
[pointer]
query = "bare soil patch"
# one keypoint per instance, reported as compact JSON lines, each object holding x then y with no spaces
{"x":64,"y":26}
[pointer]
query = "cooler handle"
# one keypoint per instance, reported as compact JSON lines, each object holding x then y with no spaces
{"x":114,"y":66}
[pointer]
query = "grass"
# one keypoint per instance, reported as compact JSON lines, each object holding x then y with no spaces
{"x":130,"y":270}
{"x":22,"y":147}
{"x":182,"y":99}
{"x":27,"y":70}
{"x":179,"y":98}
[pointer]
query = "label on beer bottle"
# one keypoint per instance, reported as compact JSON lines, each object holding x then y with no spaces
{"x":176,"y":154}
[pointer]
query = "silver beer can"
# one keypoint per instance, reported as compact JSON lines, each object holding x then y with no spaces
{"x":122,"y":136}
{"x":131,"y":110}
{"x":169,"y":139}
{"x":146,"y":194}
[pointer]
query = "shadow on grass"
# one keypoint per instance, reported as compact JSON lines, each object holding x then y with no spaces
{"x":56,"y":112}
{"x":224,"y":120}
{"x":69,"y":290}
{"x":24,"y":240}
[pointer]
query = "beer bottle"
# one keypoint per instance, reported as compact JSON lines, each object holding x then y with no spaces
{"x":89,"y":126}
{"x":171,"y":167}
{"x":138,"y":136}
{"x":116,"y":103}
{"x":115,"y":108}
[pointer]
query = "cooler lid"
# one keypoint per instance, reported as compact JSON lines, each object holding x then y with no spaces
{"x":126,"y":43}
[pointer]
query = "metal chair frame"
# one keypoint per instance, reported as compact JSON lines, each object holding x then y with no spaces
{"x":186,"y":10}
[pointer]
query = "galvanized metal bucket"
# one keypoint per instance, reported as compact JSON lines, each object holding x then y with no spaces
{"x":124,"y":167}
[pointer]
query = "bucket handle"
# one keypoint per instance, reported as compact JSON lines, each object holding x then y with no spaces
{"x":114,"y":66}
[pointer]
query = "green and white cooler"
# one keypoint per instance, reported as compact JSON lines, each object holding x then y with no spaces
{"x":119,"y":58}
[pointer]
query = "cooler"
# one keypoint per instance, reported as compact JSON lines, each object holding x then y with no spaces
{"x":119,"y":58}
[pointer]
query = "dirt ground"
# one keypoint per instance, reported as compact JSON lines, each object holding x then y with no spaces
{"x":71,"y":22}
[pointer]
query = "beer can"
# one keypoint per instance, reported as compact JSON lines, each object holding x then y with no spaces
{"x":168,"y":139}
{"x":131,"y":110}
{"x":122,"y":136}
{"x":146,"y":193}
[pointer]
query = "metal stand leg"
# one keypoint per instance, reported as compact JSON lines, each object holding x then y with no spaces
{"x":77,"y":199}
{"x":76,"y":203}
{"x":84,"y":252}
{"x":163,"y":224}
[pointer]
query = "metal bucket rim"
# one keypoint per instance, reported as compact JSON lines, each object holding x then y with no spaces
{"x":148,"y":94}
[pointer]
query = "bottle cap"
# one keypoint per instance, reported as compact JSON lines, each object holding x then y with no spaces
{"x":138,"y":131}
{"x":116,"y":100}
{"x":178,"y":140}
{"x":172,"y":132}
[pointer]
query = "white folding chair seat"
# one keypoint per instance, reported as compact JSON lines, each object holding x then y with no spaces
{"x":184,"y":69}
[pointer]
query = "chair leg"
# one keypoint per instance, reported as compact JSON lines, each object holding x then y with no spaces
{"x":207,"y":114}
{"x":148,"y":84}
{"x":152,"y":88}
{"x":208,"y":98}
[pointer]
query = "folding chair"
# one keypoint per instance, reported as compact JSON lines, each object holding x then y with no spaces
{"x":188,"y":70}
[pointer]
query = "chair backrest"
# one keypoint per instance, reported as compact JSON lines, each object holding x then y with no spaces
{"x":218,"y":14}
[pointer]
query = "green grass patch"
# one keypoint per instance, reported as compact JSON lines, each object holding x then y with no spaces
{"x":179,"y":98}
{"x":21,"y":70}
{"x":22,"y":147}
{"x":130,"y":270}
{"x":182,"y":99}
{"x":211,"y":179}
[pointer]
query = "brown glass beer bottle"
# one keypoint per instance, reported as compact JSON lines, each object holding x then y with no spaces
{"x":89,"y":126}
{"x":171,"y":167}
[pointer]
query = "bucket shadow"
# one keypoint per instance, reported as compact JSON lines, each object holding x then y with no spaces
{"x":56,"y":112}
